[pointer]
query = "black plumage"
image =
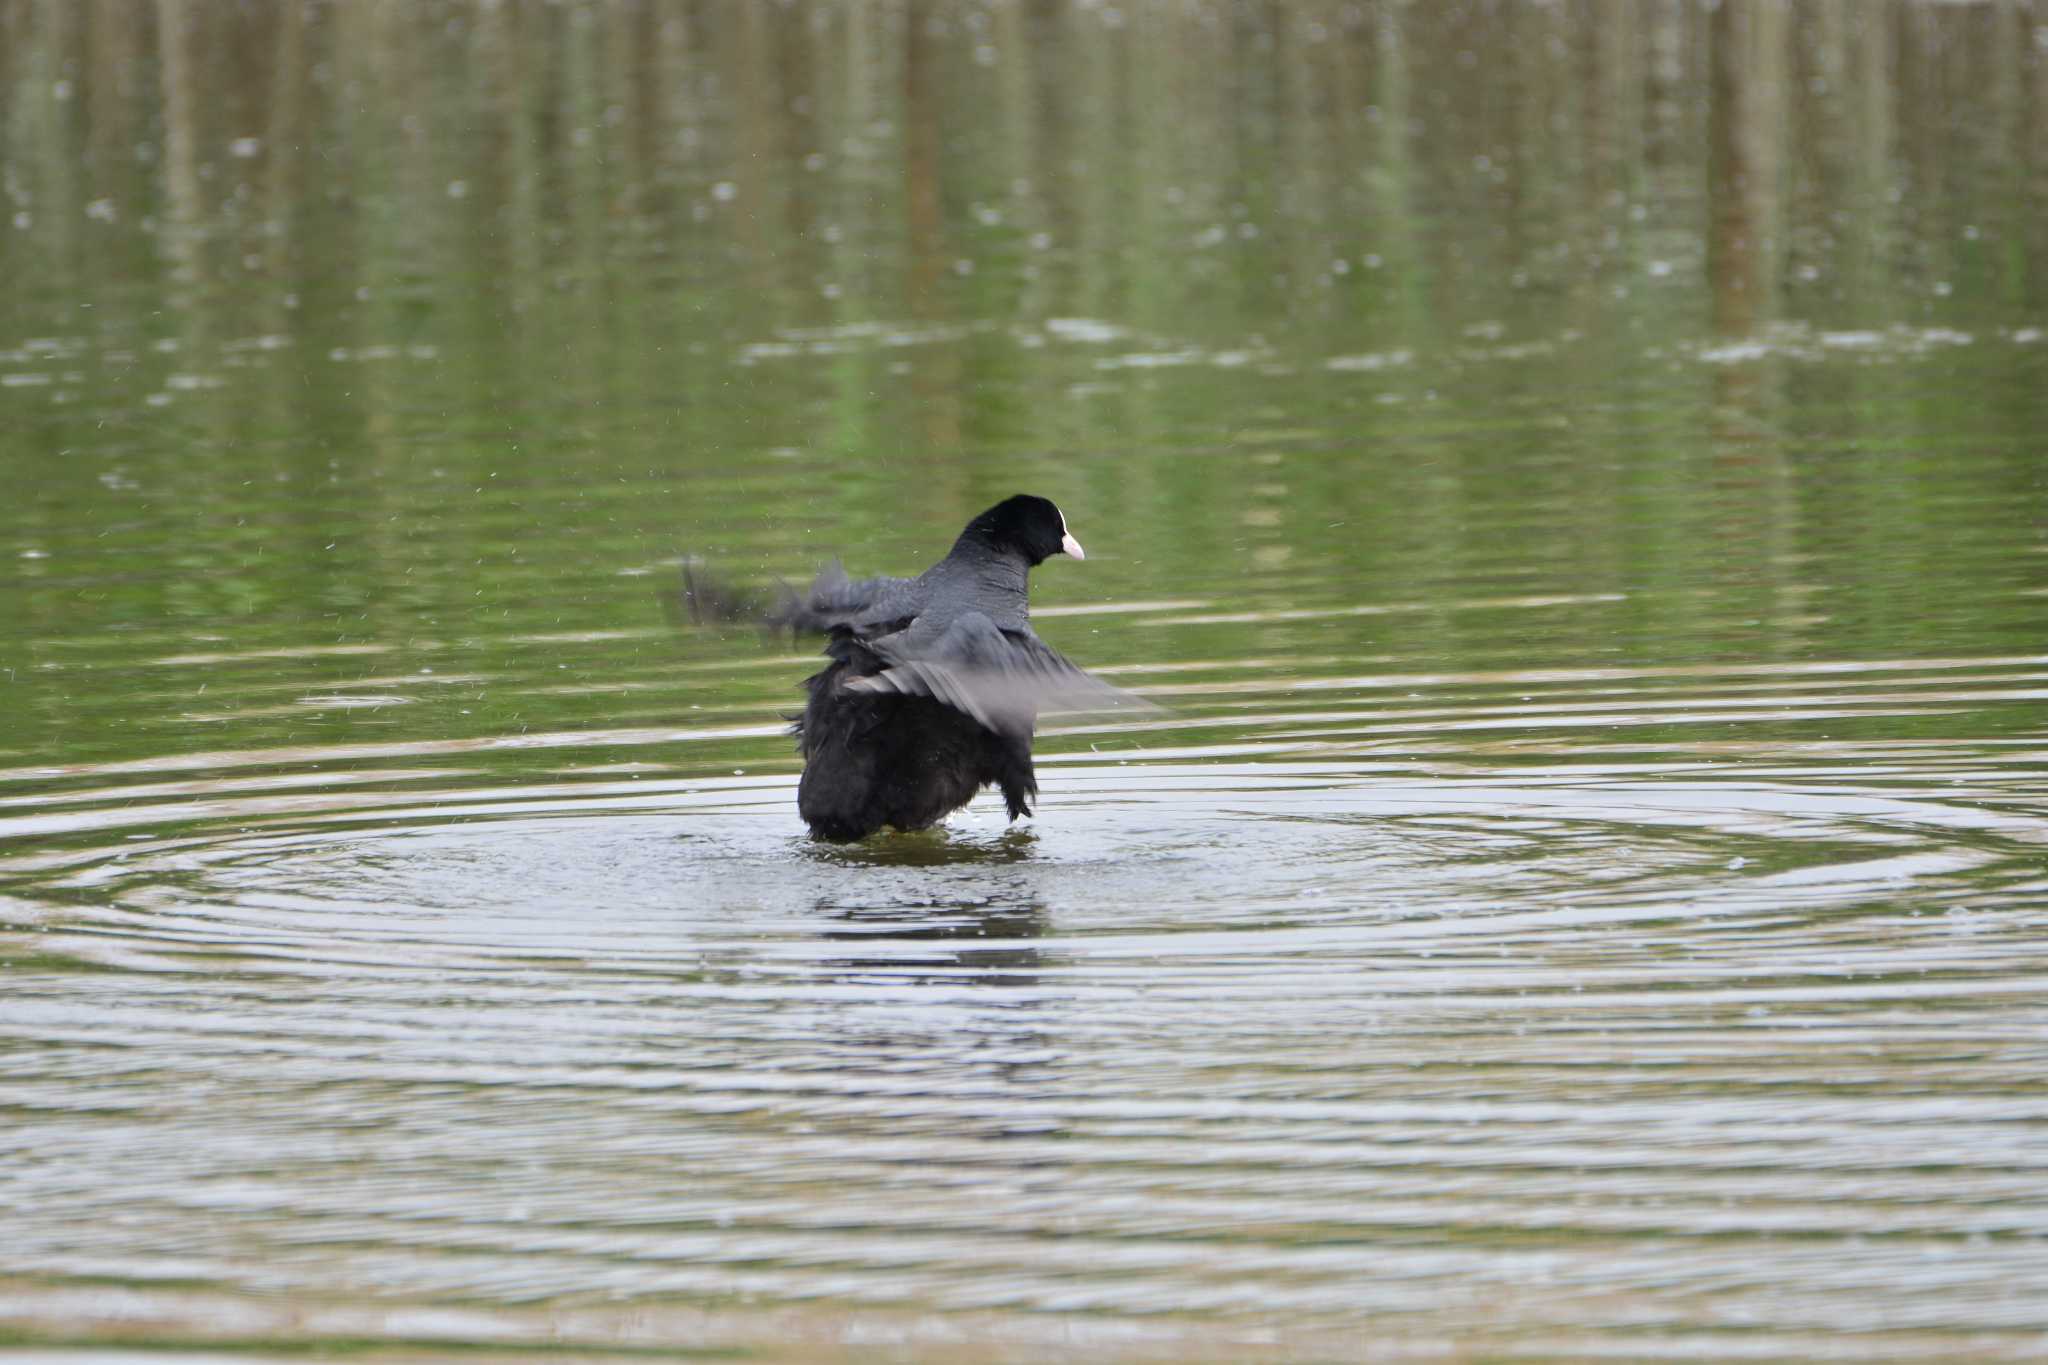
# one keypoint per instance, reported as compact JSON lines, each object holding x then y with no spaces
{"x":936,"y":683}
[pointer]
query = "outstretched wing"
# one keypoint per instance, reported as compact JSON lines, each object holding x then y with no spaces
{"x":832,"y":600}
{"x":1004,"y":679}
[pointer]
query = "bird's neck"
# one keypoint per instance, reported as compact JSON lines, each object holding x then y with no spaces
{"x":1002,"y":574}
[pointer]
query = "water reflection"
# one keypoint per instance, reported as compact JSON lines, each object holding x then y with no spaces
{"x":942,"y":847}
{"x":1012,"y":960}
{"x":1583,"y":998}
{"x":925,"y":955}
{"x":1392,"y":293}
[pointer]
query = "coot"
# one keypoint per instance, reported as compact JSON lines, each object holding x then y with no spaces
{"x":935,"y":683}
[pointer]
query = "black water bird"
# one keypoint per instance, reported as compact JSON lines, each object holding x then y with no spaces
{"x":935,"y":683}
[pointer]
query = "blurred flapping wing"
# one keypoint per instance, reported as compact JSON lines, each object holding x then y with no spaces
{"x":1004,"y":679}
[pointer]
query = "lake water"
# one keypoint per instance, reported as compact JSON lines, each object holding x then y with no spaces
{"x":1573,"y":478}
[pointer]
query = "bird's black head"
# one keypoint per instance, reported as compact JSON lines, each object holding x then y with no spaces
{"x":1025,"y":525}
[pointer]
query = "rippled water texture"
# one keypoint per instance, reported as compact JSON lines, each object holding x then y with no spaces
{"x":1571,"y":476}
